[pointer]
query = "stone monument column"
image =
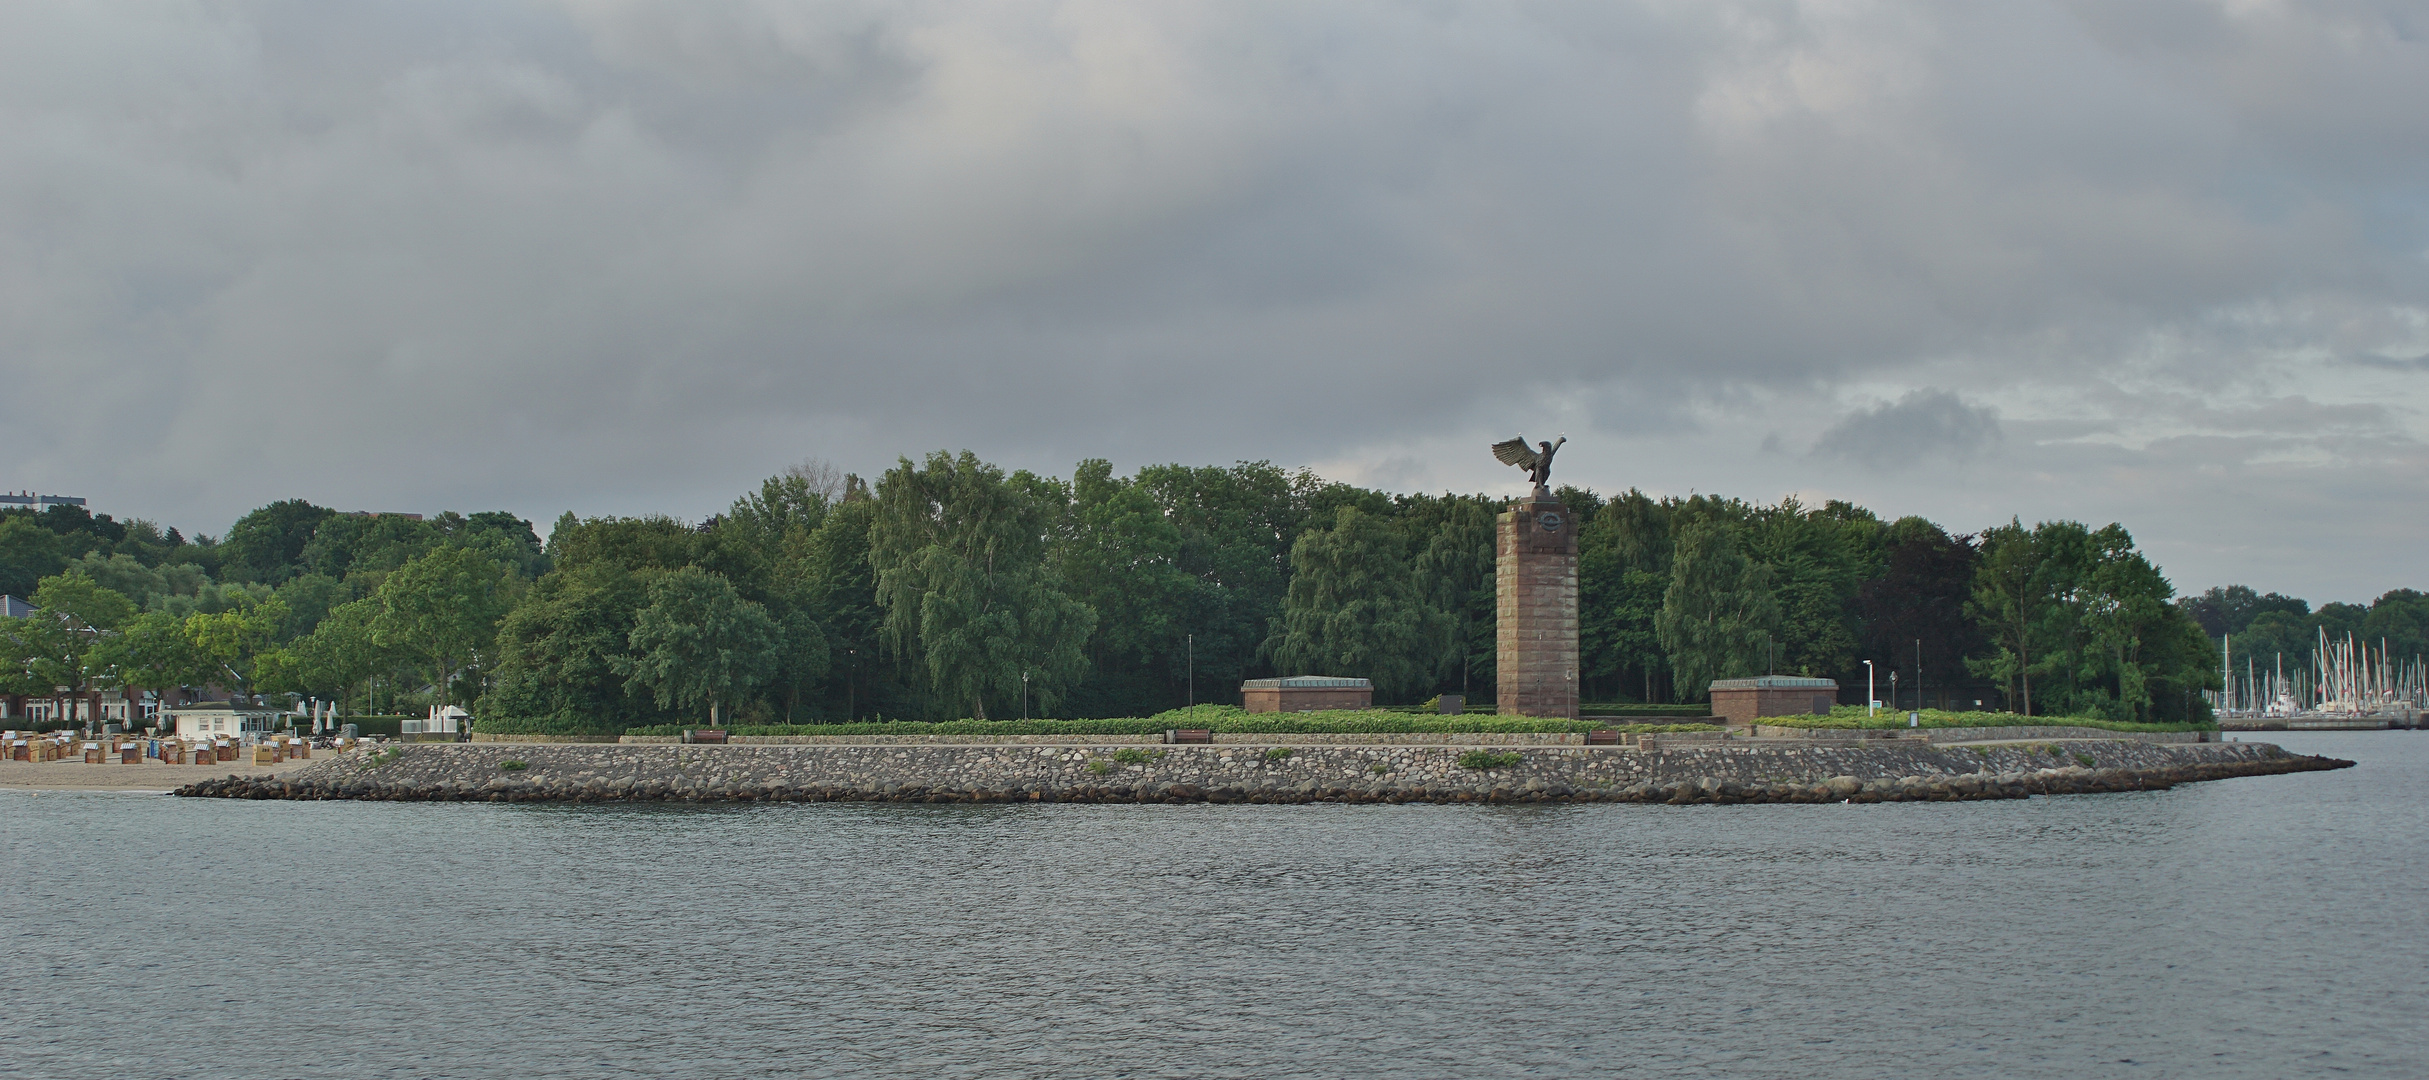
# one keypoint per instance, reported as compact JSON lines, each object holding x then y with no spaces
{"x":1535,"y":608}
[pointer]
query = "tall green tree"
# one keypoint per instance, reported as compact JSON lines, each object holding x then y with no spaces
{"x":153,"y":652}
{"x":2399,"y":623}
{"x":1454,"y":572}
{"x":230,"y":642}
{"x":699,"y":642}
{"x":1237,"y":527}
{"x":2227,"y":609}
{"x":1920,"y":596}
{"x":1719,"y":619}
{"x":442,"y":610}
{"x":29,"y":552}
{"x":81,"y":613}
{"x":267,"y":544}
{"x":1819,"y":561}
{"x":1118,"y":553}
{"x":843,"y":586}
{"x":2011,"y":602}
{"x":960,"y":554}
{"x":1623,"y":570}
{"x":2084,"y":624}
{"x":559,"y":648}
{"x":1355,"y":609}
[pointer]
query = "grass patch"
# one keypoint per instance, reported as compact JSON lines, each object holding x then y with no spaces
{"x":1100,"y":766}
{"x":1379,"y":768}
{"x":1131,"y":755}
{"x":1852,"y":716}
{"x":383,"y":757}
{"x":2084,"y":760}
{"x":511,"y":765}
{"x":1278,"y":753}
{"x":1488,"y":759}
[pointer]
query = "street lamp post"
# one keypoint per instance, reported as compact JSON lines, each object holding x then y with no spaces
{"x":1024,"y":695}
{"x":1871,"y":699}
{"x":1917,"y":717}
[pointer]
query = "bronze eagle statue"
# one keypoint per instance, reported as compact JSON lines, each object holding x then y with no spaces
{"x":1537,"y":462}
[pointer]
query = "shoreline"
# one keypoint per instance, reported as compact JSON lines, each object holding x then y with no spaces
{"x":150,"y":776}
{"x":1749,"y":772}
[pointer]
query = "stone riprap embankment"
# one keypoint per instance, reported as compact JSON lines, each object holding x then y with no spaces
{"x":1410,"y":738}
{"x":1751,"y":771}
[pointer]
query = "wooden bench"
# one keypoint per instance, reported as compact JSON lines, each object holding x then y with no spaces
{"x":705,"y":735}
{"x":1188,"y":735}
{"x":1604,"y":737}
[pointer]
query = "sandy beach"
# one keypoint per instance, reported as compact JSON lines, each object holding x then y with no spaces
{"x":149,"y":776}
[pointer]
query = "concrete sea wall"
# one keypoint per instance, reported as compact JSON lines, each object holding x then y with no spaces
{"x":1722,"y":773}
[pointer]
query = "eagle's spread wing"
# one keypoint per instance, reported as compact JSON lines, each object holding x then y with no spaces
{"x":1514,"y":452}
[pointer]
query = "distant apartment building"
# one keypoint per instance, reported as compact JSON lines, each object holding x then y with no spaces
{"x":30,"y":501}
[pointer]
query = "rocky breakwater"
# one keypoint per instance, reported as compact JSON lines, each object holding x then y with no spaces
{"x":1751,"y":771}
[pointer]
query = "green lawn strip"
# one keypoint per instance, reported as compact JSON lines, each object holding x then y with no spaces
{"x":1223,"y":719}
{"x":1852,"y":716}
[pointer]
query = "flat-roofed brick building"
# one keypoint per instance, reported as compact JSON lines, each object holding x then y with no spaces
{"x":1739,"y":701}
{"x":1306,"y":693}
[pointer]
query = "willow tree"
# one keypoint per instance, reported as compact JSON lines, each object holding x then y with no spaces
{"x":970,"y":599}
{"x":1719,"y":618}
{"x":1355,"y":609}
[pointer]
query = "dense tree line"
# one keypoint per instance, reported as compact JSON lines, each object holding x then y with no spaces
{"x":2268,"y":625}
{"x":949,"y":587}
{"x":379,"y":610}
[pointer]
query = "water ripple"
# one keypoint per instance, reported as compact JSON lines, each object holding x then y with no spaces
{"x":2248,"y":928}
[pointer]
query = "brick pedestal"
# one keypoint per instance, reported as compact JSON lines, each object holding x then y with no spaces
{"x":1535,"y":610}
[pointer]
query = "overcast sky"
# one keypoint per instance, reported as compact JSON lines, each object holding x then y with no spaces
{"x":2160,"y":263}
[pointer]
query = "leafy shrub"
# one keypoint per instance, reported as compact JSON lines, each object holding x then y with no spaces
{"x":1100,"y":766}
{"x":541,"y":725}
{"x":514,"y":766}
{"x":1277,"y":753}
{"x":1488,"y":759}
{"x":1131,"y":755}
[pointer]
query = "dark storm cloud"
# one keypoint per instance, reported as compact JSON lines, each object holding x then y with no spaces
{"x":622,"y":255}
{"x":1924,"y":427}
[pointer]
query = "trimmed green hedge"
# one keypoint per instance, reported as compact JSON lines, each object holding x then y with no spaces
{"x":1226,"y":719}
{"x":1852,"y":716}
{"x":391,"y":726}
{"x":1701,"y":708}
{"x":537,"y":725}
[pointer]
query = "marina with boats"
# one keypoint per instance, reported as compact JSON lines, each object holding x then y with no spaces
{"x":2347,"y":685}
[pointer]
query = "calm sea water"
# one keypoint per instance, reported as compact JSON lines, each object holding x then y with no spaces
{"x":2267,"y":927}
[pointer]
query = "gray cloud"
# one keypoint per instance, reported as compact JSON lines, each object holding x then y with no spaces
{"x":1923,"y":427}
{"x":624,"y":255}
